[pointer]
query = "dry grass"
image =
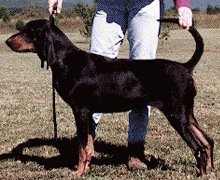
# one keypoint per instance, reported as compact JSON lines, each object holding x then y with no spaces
{"x":28,"y":150}
{"x":207,"y":20}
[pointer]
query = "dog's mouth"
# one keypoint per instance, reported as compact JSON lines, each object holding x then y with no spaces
{"x":18,"y":44}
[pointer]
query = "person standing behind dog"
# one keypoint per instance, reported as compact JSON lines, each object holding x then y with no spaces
{"x":139,"y":18}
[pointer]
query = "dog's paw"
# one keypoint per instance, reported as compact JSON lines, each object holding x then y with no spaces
{"x":77,"y":173}
{"x":81,"y":170}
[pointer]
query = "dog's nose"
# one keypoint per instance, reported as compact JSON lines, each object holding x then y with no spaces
{"x":8,"y":42}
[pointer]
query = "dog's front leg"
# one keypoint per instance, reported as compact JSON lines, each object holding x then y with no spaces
{"x":86,"y":146}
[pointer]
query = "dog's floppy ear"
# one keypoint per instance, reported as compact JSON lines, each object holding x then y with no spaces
{"x":50,"y":51}
{"x":47,"y":51}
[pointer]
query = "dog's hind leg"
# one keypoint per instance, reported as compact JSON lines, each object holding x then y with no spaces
{"x":206,"y":141}
{"x":84,"y":122}
{"x":180,"y":121}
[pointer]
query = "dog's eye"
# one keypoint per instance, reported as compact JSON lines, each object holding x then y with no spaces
{"x":30,"y":33}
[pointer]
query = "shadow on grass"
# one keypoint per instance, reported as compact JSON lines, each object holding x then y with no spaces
{"x":68,"y":154}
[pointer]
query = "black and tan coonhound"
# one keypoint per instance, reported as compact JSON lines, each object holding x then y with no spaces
{"x":92,"y":83}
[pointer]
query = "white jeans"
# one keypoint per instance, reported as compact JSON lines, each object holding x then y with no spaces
{"x":139,"y":18}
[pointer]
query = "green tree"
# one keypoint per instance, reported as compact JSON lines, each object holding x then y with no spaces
{"x":196,"y":10}
{"x":213,"y":9}
{"x":171,"y":12}
{"x":2,"y":11}
{"x":86,"y":13}
{"x":19,"y":24}
{"x":5,"y":14}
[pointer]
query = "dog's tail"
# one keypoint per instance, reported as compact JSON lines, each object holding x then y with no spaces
{"x":199,"y":44}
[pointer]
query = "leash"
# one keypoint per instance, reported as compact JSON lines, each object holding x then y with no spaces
{"x":54,"y":107}
{"x":53,"y":92}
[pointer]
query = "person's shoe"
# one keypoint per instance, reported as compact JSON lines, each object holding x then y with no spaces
{"x":136,"y":156}
{"x":136,"y":164}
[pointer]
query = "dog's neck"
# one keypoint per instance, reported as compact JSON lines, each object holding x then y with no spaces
{"x":61,"y":41}
{"x":58,"y":49}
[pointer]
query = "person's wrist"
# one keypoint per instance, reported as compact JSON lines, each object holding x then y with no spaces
{"x":181,"y":3}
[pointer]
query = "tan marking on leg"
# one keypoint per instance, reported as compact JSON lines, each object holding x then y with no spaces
{"x":200,"y":136}
{"x":194,"y":82}
{"x":85,"y":157}
{"x":81,"y":165}
{"x":202,"y":172}
{"x":89,"y":152}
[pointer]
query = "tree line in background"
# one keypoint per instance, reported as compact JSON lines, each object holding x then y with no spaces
{"x":21,"y":15}
{"x":80,"y":10}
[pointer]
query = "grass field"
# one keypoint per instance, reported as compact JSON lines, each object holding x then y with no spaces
{"x":27,"y":148}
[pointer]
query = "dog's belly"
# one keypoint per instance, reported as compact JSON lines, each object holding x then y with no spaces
{"x":112,"y":103}
{"x":107,"y":101}
{"x":116,"y":92}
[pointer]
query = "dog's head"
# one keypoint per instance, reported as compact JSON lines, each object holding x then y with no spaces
{"x":27,"y":40}
{"x":34,"y":37}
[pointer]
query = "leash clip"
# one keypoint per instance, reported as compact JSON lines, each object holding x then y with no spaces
{"x":54,"y":9}
{"x":52,"y":16}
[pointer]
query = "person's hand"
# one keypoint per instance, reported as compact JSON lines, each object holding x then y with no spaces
{"x":55,"y":3}
{"x":185,"y":17}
